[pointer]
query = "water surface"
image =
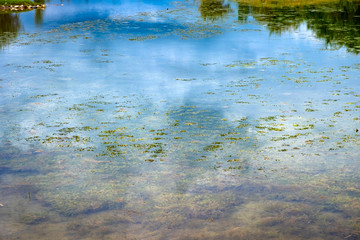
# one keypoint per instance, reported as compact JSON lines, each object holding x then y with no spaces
{"x":180,"y":120}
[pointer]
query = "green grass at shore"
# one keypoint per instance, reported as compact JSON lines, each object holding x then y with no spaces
{"x":20,"y":2}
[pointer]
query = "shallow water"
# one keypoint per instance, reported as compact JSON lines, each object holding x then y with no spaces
{"x":180,"y":120}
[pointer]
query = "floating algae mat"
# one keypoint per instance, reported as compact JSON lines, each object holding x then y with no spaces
{"x":180,"y":120}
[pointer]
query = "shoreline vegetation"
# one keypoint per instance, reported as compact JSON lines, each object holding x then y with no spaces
{"x":287,"y":3}
{"x":21,"y":5}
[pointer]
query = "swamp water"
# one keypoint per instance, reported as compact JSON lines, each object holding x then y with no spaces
{"x":180,"y":120}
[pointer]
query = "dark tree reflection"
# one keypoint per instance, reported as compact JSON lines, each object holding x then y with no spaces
{"x":39,"y":16}
{"x":10,"y":25}
{"x":339,"y":27}
{"x":9,"y":22}
{"x":213,"y":9}
{"x":338,"y":23}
